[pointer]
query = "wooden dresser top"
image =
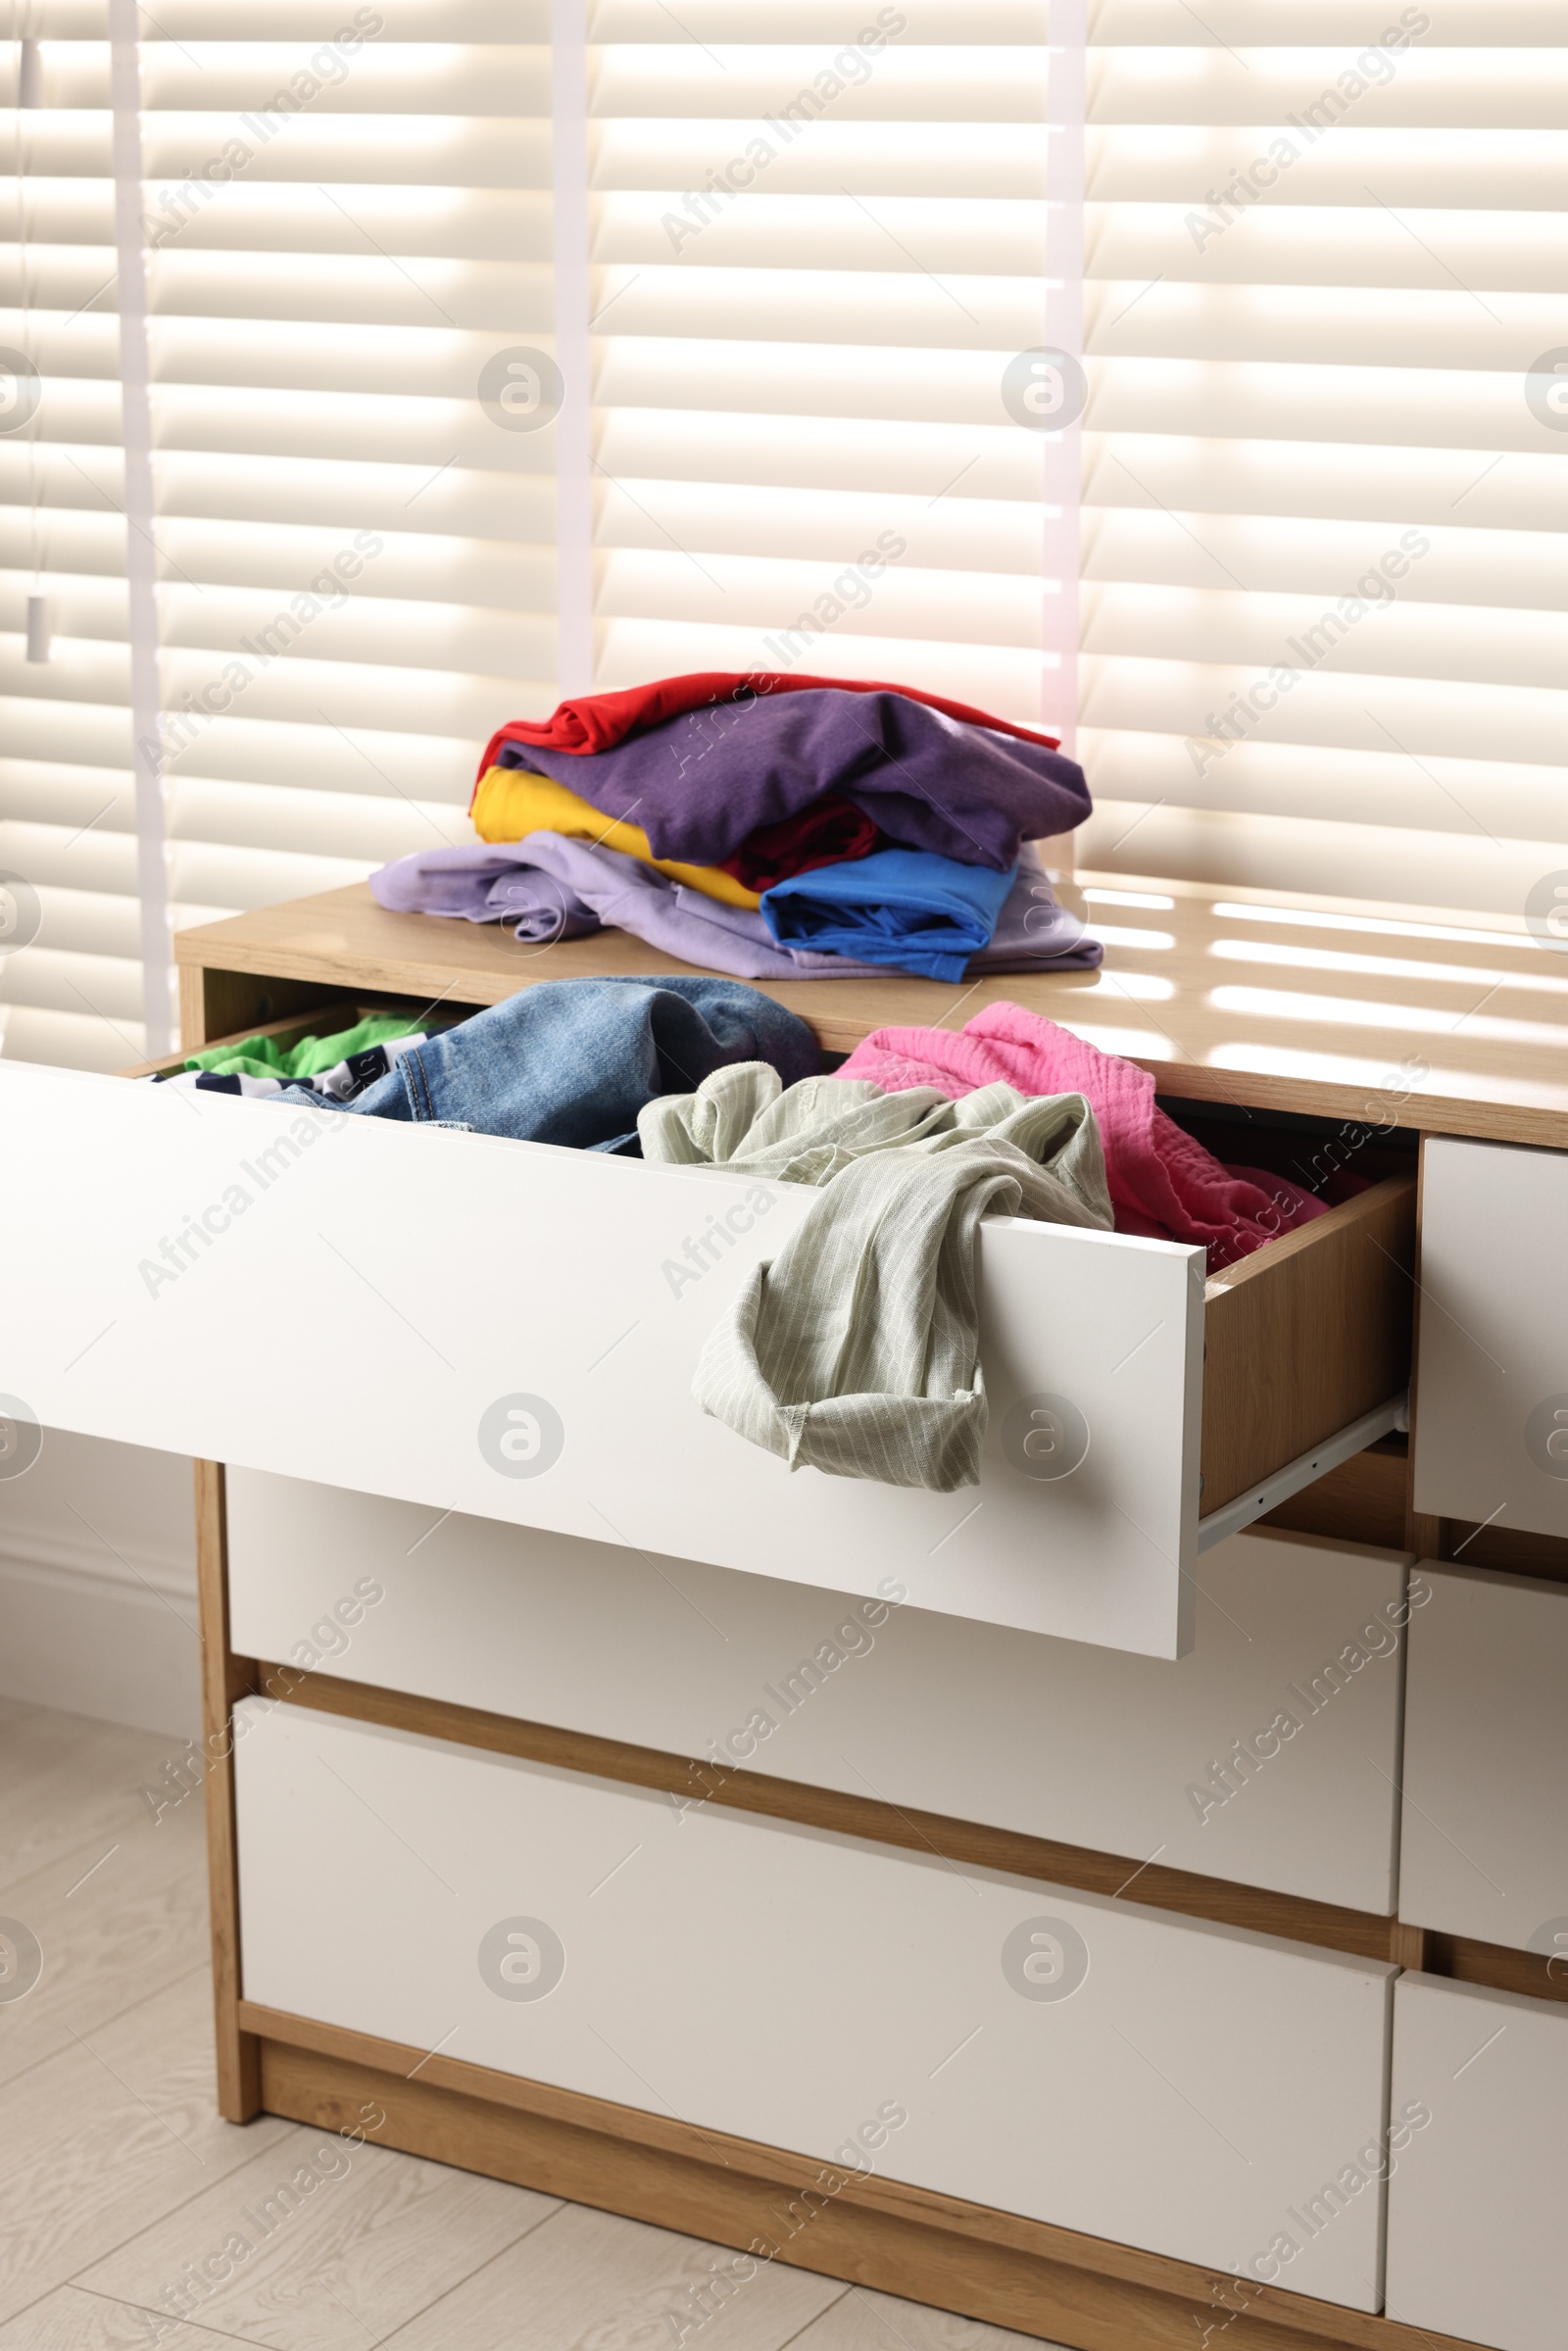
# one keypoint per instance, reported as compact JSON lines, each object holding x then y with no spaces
{"x":1335,"y":1007}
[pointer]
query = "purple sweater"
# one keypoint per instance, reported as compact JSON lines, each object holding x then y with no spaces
{"x":699,"y":783}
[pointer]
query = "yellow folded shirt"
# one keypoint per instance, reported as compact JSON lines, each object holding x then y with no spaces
{"x":512,"y":801}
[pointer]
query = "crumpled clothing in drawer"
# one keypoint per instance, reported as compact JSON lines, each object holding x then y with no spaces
{"x":573,"y":1062}
{"x":856,"y":1350}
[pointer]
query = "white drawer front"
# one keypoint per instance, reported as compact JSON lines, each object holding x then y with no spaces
{"x":388,"y":1287}
{"x":1125,"y":1754}
{"x":1484,"y":1844}
{"x":1492,"y":1396}
{"x":1477,"y":2246}
{"x":1174,"y":2087}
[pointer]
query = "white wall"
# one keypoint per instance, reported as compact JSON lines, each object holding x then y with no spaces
{"x":98,"y":1584}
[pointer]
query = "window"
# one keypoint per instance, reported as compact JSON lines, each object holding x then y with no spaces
{"x":821,"y":236}
{"x":811,"y":259}
{"x":342,"y":219}
{"x":1322,"y":473}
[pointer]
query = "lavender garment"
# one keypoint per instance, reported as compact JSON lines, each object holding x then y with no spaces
{"x":478,"y":884}
{"x":699,"y":783}
{"x":547,"y":879}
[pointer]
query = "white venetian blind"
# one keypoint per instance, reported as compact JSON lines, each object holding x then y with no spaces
{"x":819,"y":234}
{"x":347,"y":217}
{"x":791,"y":255}
{"x":1332,"y":365}
{"x":70,"y":969}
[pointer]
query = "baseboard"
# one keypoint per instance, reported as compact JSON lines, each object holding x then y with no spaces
{"x":119,"y":1648}
{"x":1041,"y":2280}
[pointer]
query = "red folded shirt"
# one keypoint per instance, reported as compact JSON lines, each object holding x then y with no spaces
{"x":830,"y":832}
{"x":599,"y":722}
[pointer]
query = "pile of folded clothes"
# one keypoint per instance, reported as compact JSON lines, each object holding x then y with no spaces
{"x":769,"y":827}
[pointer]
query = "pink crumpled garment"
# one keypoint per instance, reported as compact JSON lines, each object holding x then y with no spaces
{"x":1164,"y":1184}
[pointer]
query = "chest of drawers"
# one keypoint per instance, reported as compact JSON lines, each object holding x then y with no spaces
{"x":997,"y":1896}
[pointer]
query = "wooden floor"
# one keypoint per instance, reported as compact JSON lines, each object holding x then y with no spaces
{"x":116,"y":2178}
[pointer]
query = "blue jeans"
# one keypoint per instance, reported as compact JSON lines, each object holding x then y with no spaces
{"x":573,"y":1062}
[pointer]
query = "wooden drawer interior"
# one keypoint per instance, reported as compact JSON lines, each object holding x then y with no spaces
{"x":1305,"y":1335}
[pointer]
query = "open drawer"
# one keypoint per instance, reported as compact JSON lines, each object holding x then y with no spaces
{"x":498,"y":1328}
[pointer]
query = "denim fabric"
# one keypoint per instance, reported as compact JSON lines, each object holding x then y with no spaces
{"x":573,"y":1062}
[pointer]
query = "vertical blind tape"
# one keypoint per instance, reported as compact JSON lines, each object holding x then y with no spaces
{"x":573,"y":429}
{"x":1062,"y":454}
{"x":131,"y":291}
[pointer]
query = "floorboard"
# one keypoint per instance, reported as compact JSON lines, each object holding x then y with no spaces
{"x":72,"y":2321}
{"x":111,"y":2135}
{"x":648,"y":2287}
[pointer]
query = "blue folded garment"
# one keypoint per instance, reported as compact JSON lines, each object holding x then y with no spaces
{"x":906,"y":907}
